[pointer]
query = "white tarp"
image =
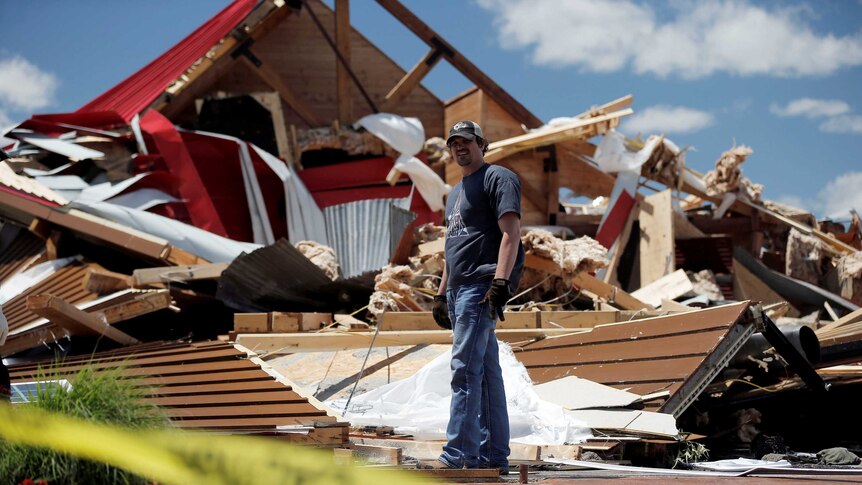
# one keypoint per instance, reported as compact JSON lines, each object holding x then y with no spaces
{"x":419,"y":405}
{"x":613,"y":156}
{"x":205,"y":244}
{"x":17,"y":284}
{"x":406,"y":136}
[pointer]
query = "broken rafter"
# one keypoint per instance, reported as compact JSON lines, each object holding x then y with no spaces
{"x":412,"y":79}
{"x":76,"y":321}
{"x":582,"y":128}
{"x":273,"y":80}
{"x":459,"y":62}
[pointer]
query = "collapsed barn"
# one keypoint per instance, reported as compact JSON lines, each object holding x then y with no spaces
{"x":268,"y":193}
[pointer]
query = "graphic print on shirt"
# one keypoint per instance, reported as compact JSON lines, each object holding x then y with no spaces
{"x":456,"y":226}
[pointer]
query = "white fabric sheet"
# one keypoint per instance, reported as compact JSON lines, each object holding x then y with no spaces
{"x":419,"y":405}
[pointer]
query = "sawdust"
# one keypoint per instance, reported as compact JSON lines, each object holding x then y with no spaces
{"x":322,"y":256}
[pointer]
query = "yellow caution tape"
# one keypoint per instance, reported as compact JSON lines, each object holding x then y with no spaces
{"x":188,"y":457}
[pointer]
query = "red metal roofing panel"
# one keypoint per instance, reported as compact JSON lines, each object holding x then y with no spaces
{"x":137,"y":91}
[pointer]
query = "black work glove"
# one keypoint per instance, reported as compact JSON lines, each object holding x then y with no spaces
{"x":497,"y":297}
{"x":441,"y":312}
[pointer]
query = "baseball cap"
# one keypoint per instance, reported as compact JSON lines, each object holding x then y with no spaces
{"x":467,"y":129}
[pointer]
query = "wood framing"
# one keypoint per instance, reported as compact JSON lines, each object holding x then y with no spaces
{"x":657,"y":256}
{"x":76,"y":321}
{"x":288,"y":343}
{"x":342,"y":42}
{"x":272,"y":79}
{"x":167,"y":274}
{"x":410,"y":80}
{"x":459,"y":62}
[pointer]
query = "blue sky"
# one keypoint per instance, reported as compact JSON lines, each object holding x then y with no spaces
{"x":784,"y":77}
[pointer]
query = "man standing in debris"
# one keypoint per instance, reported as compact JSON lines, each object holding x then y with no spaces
{"x":484,"y":259}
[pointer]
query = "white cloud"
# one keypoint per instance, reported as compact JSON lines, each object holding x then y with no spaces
{"x":697,"y":39}
{"x":811,"y":108}
{"x":851,"y":124}
{"x":23,"y":86}
{"x":841,"y":194}
{"x":834,"y":200}
{"x":668,"y":119}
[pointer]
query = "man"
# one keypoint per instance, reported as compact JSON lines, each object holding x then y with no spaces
{"x":484,"y":259}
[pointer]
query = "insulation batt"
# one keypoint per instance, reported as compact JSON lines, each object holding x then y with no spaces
{"x":322,"y":256}
{"x":850,"y":277}
{"x":727,"y":176}
{"x":573,"y":256}
{"x":804,"y":255}
{"x":705,"y":284}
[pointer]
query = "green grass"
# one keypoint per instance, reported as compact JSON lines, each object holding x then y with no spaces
{"x":104,"y":396}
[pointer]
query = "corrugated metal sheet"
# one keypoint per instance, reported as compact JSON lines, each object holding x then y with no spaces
{"x":137,"y":91}
{"x":364,"y":233}
{"x":212,"y":385}
{"x":679,"y":353}
{"x":280,"y":278}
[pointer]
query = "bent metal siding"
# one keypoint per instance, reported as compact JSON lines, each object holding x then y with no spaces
{"x":214,"y":386}
{"x":678,"y":353}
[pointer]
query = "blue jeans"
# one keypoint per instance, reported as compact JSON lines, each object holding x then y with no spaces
{"x":478,"y":431}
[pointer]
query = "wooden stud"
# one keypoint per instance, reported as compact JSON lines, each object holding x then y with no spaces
{"x":143,"y":303}
{"x":167,"y":274}
{"x":273,"y":80}
{"x":410,"y":80}
{"x":78,"y":322}
{"x":102,"y":281}
{"x":343,"y":81}
{"x":459,"y":62}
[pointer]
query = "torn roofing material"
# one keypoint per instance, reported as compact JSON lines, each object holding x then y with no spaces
{"x":210,"y":385}
{"x":279,"y":277}
{"x":679,"y":353}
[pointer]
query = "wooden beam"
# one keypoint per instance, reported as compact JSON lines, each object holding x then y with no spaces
{"x":77,"y":321}
{"x":143,"y":303}
{"x":289,"y":343}
{"x":459,"y":62}
{"x":167,"y":274}
{"x":614,"y":295}
{"x":342,"y":77}
{"x":102,"y":281}
{"x":412,"y":79}
{"x":852,"y":317}
{"x":177,"y":95}
{"x":272,"y":102}
{"x":582,"y":128}
{"x":657,"y":256}
{"x":268,"y":75}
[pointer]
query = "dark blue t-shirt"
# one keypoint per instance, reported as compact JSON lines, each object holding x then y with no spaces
{"x":473,"y":235}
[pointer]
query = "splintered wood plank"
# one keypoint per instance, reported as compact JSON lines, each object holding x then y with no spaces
{"x":669,"y":286}
{"x":68,"y":316}
{"x":167,"y":274}
{"x":102,"y":281}
{"x":657,"y":256}
{"x":142,"y":304}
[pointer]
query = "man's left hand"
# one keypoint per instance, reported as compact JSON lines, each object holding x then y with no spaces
{"x":497,"y":297}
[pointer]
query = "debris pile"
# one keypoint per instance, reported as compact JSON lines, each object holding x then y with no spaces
{"x":208,"y":260}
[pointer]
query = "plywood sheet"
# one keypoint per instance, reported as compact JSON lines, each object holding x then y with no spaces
{"x":657,"y":256}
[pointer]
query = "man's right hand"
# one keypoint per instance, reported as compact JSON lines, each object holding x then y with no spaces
{"x":441,"y":312}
